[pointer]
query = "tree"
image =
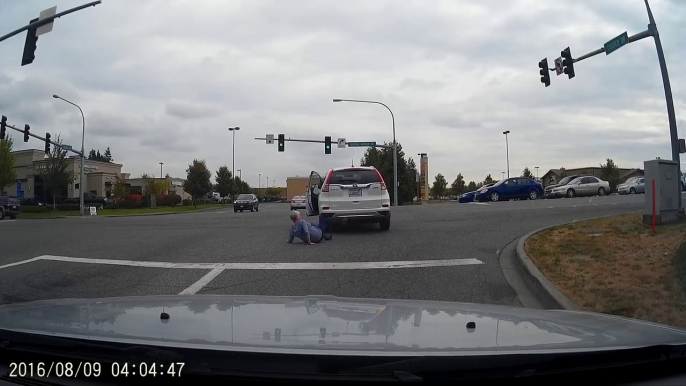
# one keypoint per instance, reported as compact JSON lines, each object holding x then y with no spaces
{"x":488,"y":179}
{"x":610,"y":173}
{"x":224,"y":181}
{"x":166,"y":175}
{"x":95,"y":155}
{"x":563,"y":172}
{"x":527,"y":173}
{"x":458,"y":186}
{"x":120,"y":189}
{"x":439,"y":185}
{"x":156,"y":186}
{"x":7,"y":173}
{"x":471,"y":187}
{"x":108,"y":155}
{"x":197,"y":179}
{"x":382,"y":160}
{"x":55,"y":177}
{"x":242,"y":186}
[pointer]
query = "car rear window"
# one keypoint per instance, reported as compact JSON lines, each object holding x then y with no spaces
{"x":346,"y":177}
{"x":245,"y":197}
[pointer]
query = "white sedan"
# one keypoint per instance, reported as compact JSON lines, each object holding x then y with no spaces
{"x":298,"y":202}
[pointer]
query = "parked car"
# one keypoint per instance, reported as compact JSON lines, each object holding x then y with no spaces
{"x":583,"y":186}
{"x":469,"y":196}
{"x":9,"y":206}
{"x":564,"y":181}
{"x":88,"y":199}
{"x":632,"y":186}
{"x":510,"y":188}
{"x":245,"y":202}
{"x":31,"y":202}
{"x":350,"y":194}
{"x":298,"y":202}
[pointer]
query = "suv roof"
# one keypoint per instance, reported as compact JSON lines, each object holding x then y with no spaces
{"x":354,"y":168}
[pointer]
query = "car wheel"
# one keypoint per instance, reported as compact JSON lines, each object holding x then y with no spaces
{"x":235,"y":211}
{"x":495,"y":196}
{"x":257,"y":208}
{"x":385,"y":224}
{"x":241,"y":210}
{"x":571,"y":193}
{"x":632,"y":191}
{"x":533,"y":195}
{"x":601,"y":191}
{"x":252,"y":208}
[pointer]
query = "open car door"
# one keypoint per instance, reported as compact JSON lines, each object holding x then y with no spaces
{"x":313,"y":190}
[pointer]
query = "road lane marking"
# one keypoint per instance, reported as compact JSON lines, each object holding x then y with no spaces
{"x":399,"y":264}
{"x":205,"y":280}
{"x":19,"y":262}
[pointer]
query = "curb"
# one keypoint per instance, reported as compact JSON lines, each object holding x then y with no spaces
{"x":545,"y":291}
{"x":121,"y":215}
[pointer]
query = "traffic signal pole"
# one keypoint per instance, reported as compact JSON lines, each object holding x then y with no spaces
{"x":318,"y":141}
{"x":48,"y":20}
{"x":46,"y":140}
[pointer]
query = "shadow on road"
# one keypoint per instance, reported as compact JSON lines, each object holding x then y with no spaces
{"x":354,"y":228}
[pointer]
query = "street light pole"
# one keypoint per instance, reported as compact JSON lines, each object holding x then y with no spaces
{"x":507,"y":149}
{"x":83,"y":136}
{"x":240,"y":174}
{"x":503,"y":175}
{"x":161,"y":175}
{"x":233,"y":130}
{"x":395,"y":146}
{"x":259,"y":182}
{"x":536,"y":172}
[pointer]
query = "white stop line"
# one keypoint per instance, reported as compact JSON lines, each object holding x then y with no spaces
{"x":217,"y":268}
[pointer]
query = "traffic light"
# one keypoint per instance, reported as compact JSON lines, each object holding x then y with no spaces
{"x":26,"y":132}
{"x":567,"y":63}
{"x":3,"y":124}
{"x":47,"y":143}
{"x":545,"y":75}
{"x":282,"y":141}
{"x":327,"y":145}
{"x":30,"y":45}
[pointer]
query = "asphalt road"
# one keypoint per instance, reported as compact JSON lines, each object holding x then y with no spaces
{"x":221,"y":252}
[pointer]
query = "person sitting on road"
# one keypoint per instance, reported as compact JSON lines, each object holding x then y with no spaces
{"x":305,"y":231}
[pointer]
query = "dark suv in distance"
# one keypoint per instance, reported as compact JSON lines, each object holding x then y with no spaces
{"x":246,"y":201}
{"x":9,"y":206}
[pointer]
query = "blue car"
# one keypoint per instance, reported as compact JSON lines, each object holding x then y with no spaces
{"x":469,"y":196}
{"x":517,"y":187}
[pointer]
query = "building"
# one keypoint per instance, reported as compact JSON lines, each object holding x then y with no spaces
{"x":296,"y":186}
{"x":554,"y":175}
{"x":137,"y":186}
{"x":99,"y":177}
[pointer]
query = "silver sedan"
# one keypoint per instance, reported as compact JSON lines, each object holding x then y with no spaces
{"x":298,"y":202}
{"x":632,"y":186}
{"x":583,"y":186}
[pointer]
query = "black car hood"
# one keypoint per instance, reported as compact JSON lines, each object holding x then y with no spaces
{"x":331,"y":325}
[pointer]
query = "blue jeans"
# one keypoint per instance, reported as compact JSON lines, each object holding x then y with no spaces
{"x":323,"y":224}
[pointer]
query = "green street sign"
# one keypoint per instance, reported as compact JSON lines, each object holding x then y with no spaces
{"x":361,"y":144}
{"x":614,"y":44}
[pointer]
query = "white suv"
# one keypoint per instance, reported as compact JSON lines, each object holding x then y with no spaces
{"x":350,"y":194}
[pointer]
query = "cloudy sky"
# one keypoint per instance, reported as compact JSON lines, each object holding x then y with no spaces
{"x":161,"y":81}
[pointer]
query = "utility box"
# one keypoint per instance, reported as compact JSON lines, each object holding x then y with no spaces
{"x":665,"y":199}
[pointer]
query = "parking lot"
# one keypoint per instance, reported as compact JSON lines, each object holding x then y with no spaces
{"x":445,"y":251}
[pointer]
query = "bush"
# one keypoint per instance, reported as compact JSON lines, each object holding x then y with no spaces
{"x":186,"y":202}
{"x":111,"y":206}
{"x":168,"y":200}
{"x":132,"y":201}
{"x":67,"y":207}
{"x":34,"y":209}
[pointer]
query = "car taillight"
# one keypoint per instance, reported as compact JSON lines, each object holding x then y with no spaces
{"x":325,"y":208}
{"x":383,"y":184}
{"x":325,"y":188}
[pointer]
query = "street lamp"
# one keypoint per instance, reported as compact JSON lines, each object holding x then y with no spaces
{"x":83,"y":136}
{"x":536,"y":172}
{"x":503,"y":175}
{"x":395,"y":147}
{"x":240,"y":174}
{"x":161,"y":175}
{"x":259,"y":182}
{"x":233,"y":151}
{"x":507,"y":149}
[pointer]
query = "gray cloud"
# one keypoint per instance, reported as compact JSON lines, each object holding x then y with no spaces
{"x":164,"y":84}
